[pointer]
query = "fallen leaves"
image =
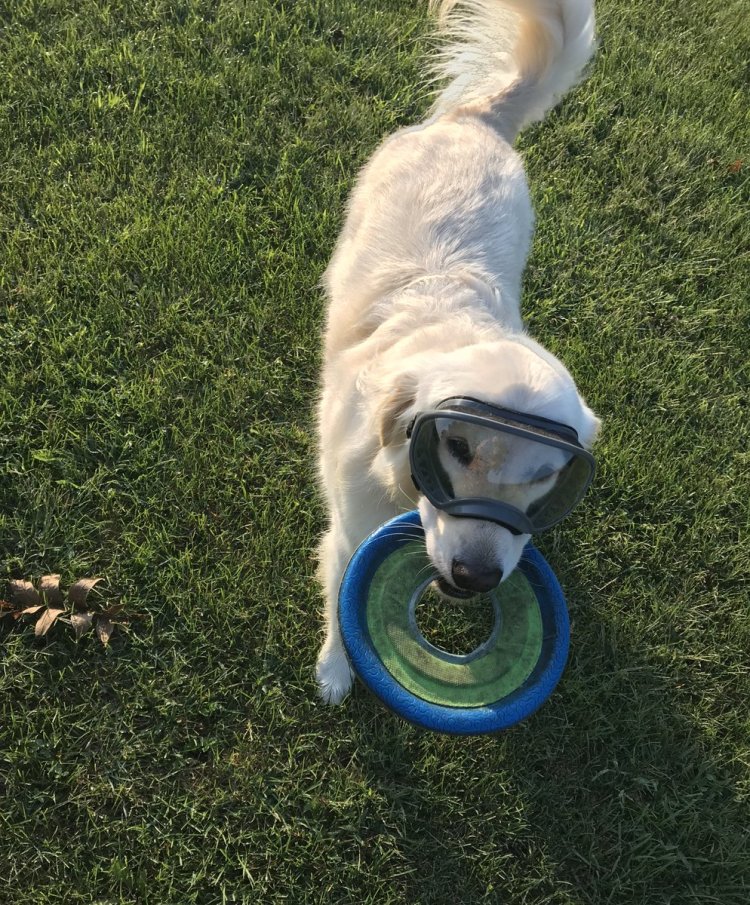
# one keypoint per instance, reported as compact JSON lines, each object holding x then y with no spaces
{"x":104,"y":629}
{"x":79,"y":590}
{"x":45,"y":622}
{"x":47,"y":603}
{"x":24,"y":592}
{"x":82,"y":623}
{"x":732,"y":168}
{"x":49,"y":585}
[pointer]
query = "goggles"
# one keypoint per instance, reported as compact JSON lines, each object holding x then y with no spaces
{"x":475,"y":460}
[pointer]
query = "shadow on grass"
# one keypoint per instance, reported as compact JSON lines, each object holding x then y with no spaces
{"x":610,"y":794}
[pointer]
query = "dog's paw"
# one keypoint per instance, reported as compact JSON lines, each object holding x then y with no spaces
{"x":334,"y":675}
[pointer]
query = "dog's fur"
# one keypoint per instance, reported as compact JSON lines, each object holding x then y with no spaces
{"x":424,"y":289}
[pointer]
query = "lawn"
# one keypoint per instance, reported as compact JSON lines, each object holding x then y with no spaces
{"x":173,"y":176}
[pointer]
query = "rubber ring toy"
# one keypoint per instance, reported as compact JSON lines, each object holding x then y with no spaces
{"x":503,"y":681}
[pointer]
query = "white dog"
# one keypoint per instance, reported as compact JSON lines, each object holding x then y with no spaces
{"x":424,"y":291}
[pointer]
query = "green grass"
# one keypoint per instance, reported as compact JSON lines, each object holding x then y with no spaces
{"x":173,"y":177}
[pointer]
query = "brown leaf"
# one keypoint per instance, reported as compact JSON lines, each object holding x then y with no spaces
{"x":735,"y":166}
{"x":45,"y":622}
{"x":104,"y":629}
{"x":79,"y":591}
{"x":82,"y":623}
{"x":114,"y":610}
{"x":8,"y":610}
{"x":30,"y":610}
{"x":49,"y":585}
{"x":24,"y":592}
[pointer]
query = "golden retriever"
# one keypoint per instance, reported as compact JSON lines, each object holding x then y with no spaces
{"x":424,"y":290}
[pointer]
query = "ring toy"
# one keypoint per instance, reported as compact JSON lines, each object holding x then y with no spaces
{"x":501,"y":682}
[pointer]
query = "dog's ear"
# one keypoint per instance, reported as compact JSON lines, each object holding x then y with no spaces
{"x":394,"y":409}
{"x":591,"y":427}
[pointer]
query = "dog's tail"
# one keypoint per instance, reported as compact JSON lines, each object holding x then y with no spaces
{"x":511,"y":60}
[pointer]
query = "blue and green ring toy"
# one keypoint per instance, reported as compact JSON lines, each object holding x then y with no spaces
{"x":500,"y":683}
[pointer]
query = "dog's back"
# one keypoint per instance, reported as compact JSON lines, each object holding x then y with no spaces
{"x":451,"y":193}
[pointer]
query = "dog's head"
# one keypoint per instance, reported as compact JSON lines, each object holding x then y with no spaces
{"x":474,"y":555}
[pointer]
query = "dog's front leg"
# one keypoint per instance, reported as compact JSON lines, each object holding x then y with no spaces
{"x":333,"y":672}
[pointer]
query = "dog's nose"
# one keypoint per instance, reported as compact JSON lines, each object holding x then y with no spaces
{"x":475,"y":578}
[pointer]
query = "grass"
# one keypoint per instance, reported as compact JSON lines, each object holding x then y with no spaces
{"x":173,"y":180}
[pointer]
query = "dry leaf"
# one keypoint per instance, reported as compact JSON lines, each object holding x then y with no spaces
{"x":104,"y":629}
{"x":49,"y":585}
{"x":114,"y":610}
{"x":735,"y":166}
{"x":82,"y":623}
{"x":79,"y":590}
{"x":30,"y":610}
{"x":24,"y":592}
{"x":8,"y":609}
{"x":45,"y":622}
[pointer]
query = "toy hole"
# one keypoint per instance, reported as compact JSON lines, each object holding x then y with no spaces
{"x":454,"y":626}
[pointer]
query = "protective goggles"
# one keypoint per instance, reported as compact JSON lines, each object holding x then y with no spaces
{"x":475,"y":460}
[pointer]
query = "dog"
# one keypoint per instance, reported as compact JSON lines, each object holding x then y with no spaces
{"x":423,"y":293}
